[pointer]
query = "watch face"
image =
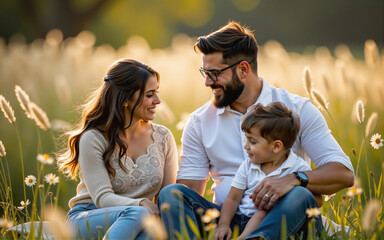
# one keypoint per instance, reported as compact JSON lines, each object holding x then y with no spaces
{"x":302,"y":175}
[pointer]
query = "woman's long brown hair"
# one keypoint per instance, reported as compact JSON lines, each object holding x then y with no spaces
{"x":104,"y":110}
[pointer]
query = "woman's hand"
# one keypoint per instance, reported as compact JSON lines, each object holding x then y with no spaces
{"x":152,"y":208}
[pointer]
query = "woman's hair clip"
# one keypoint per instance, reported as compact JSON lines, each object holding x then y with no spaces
{"x":106,"y":78}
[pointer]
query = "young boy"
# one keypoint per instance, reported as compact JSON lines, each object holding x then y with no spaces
{"x":271,"y":131}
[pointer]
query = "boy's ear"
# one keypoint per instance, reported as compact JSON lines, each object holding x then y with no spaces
{"x":278,"y":146}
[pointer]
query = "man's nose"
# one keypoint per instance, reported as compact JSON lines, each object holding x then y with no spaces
{"x":208,"y":81}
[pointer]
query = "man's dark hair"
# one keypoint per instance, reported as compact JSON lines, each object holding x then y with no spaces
{"x":275,"y":122}
{"x":234,"y":41}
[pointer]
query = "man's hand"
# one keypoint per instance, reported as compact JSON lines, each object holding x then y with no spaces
{"x":223,"y":232}
{"x":152,"y":208}
{"x":269,"y":190}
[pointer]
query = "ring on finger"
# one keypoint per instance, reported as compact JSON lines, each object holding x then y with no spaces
{"x":266,"y":195}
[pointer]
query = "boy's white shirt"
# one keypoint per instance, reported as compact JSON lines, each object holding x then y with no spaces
{"x":249,"y":175}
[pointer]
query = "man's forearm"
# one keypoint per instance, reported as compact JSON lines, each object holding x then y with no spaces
{"x":329,"y":178}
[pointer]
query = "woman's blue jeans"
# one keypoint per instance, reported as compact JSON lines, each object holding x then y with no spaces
{"x":123,"y":222}
{"x":184,"y":202}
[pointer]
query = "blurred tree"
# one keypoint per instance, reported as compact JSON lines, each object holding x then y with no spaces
{"x":69,"y":16}
{"x":156,"y":21}
{"x":295,"y":23}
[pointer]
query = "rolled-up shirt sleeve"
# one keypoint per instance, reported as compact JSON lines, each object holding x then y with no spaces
{"x":194,"y":162}
{"x":317,"y":140}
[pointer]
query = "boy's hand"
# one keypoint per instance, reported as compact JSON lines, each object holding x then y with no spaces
{"x":223,"y":232}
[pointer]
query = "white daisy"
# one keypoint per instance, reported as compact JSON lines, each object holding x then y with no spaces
{"x":45,"y":158}
{"x":313,"y":212}
{"x":328,"y":197}
{"x":30,"y":180}
{"x":210,"y":214}
{"x":353,"y":191}
{"x":376,"y":141}
{"x":51,"y":179}
{"x":24,"y":204}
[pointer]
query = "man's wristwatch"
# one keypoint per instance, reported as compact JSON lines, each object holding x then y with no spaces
{"x":303,"y":178}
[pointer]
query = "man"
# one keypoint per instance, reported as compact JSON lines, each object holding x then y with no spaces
{"x":212,"y":142}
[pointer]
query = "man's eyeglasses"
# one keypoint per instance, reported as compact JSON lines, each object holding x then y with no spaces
{"x":212,"y":74}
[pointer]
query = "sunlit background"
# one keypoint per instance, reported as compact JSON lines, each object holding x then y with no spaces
{"x":58,"y":52}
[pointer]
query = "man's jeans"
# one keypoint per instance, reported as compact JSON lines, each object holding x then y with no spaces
{"x":123,"y":222}
{"x":184,"y":202}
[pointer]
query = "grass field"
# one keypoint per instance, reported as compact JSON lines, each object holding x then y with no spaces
{"x":58,"y":74}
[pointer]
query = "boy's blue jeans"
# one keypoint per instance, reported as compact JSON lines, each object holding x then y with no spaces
{"x":123,"y":222}
{"x":293,"y":206}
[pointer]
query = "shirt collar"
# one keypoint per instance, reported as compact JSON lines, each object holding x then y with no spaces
{"x":288,"y":163}
{"x":265,"y":98}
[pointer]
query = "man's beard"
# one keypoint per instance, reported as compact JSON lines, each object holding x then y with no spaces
{"x":230,"y":94}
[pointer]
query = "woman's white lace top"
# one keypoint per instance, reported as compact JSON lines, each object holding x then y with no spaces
{"x":144,"y":179}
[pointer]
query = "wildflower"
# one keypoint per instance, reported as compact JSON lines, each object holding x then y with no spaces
{"x":165,"y":207}
{"x":24,"y":204}
{"x":371,"y":123}
{"x":45,"y":158}
{"x":23,"y":99}
{"x":41,"y":186}
{"x":30,"y":180}
{"x":360,"y":112}
{"x":376,"y":141}
{"x":50,"y":193}
{"x":58,"y":226}
{"x":353,"y":191}
{"x":308,"y":80}
{"x":326,"y":82}
{"x":60,"y":125}
{"x":39,"y":116}
{"x":371,"y":53}
{"x":370,"y":215}
{"x":210,"y":226}
{"x":210,"y":214}
{"x":7,"y":110}
{"x":200,"y":211}
{"x":5,"y":223}
{"x":51,"y":179}
{"x":177,"y":193}
{"x":2,"y":150}
{"x":62,"y":89}
{"x":313,"y":212}
{"x":328,"y":197}
{"x":98,"y":227}
{"x":154,"y":227}
{"x":320,"y":99}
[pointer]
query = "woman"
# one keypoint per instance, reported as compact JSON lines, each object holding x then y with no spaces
{"x":123,"y":159}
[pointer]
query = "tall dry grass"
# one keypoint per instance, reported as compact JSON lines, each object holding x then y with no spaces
{"x":52,"y":76}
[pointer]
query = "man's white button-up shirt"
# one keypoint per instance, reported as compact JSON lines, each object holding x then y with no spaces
{"x":212,"y":141}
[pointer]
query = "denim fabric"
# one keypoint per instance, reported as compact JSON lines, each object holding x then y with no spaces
{"x":292,"y":205}
{"x":122,"y":222}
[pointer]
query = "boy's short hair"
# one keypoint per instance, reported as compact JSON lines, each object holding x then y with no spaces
{"x":275,"y":122}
